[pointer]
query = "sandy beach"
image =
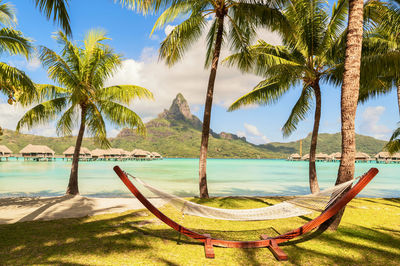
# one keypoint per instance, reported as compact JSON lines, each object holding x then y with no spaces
{"x":13,"y":210}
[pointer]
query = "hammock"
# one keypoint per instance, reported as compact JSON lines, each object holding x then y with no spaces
{"x":306,"y":202}
{"x":297,"y":206}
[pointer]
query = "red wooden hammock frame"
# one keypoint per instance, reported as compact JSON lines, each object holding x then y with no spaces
{"x":270,"y":242}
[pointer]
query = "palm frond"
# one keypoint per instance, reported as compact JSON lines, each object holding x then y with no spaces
{"x":122,"y":116}
{"x":181,"y":38}
{"x":299,"y":111}
{"x":266,"y":92}
{"x":13,"y":42}
{"x":96,"y":126}
{"x":67,"y":121}
{"x":393,"y":145}
{"x":42,"y":113}
{"x":124,"y":93}
{"x":58,"y":10}
{"x":7,"y":14}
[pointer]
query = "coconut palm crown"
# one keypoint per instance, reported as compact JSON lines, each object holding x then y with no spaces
{"x":13,"y":82}
{"x":80,"y":73}
{"x":307,"y":58}
{"x":224,"y":21}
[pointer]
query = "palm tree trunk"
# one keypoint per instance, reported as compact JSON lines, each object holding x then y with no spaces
{"x":349,"y":97}
{"x":72,"y":188}
{"x":314,"y":187}
{"x":207,"y":111}
{"x":398,"y":94}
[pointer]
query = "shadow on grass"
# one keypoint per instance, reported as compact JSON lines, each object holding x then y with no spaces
{"x":135,"y":237}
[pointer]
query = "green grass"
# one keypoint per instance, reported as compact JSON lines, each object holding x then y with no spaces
{"x":368,"y":235}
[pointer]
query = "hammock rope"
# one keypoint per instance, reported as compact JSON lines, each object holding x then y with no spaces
{"x":293,"y":207}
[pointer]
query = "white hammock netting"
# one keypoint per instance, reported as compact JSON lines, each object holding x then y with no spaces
{"x":293,"y":207}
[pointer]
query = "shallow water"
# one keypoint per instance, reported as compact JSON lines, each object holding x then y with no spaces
{"x":226,"y":177}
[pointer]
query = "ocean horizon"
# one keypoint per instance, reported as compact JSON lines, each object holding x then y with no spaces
{"x":226,"y":177}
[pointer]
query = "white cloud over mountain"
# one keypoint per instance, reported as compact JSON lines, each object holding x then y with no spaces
{"x":370,"y":123}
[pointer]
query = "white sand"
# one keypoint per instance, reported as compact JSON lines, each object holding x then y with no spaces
{"x":13,"y":210}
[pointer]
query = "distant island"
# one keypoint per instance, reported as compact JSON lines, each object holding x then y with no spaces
{"x":176,"y":133}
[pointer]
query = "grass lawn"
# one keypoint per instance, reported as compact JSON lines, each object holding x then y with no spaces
{"x":369,"y":235}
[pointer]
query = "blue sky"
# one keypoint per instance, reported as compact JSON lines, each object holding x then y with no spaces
{"x":130,"y":31}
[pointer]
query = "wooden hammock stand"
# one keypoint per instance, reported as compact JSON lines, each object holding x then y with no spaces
{"x":269,"y":242}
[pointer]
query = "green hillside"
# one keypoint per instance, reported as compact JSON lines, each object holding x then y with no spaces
{"x":176,"y":133}
{"x":327,"y":143}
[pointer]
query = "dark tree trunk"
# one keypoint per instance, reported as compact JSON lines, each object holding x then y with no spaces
{"x":72,"y":188}
{"x":398,"y":94}
{"x":314,"y":187}
{"x":207,"y":110}
{"x":349,"y":98}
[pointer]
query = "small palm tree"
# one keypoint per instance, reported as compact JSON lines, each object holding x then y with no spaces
{"x":81,"y":73}
{"x":13,"y":82}
{"x":394,"y":144}
{"x":234,"y":22}
{"x":309,"y":56}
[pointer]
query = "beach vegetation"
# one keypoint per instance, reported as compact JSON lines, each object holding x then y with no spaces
{"x":80,"y":97}
{"x":225,"y":22}
{"x":14,"y":83}
{"x":310,"y":55}
{"x":369,"y":235}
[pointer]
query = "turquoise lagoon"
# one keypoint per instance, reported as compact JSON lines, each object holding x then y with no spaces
{"x":226,"y":177}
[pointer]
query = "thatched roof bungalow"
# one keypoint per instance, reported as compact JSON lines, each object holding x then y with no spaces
{"x":362,"y":156}
{"x":5,"y":151}
{"x":138,"y":153}
{"x":83,"y":153}
{"x":294,"y":157}
{"x":321,"y":157}
{"x":306,"y":157}
{"x":396,"y":157}
{"x":156,"y":155}
{"x":336,"y":156}
{"x":37,"y":151}
{"x":383,"y":155}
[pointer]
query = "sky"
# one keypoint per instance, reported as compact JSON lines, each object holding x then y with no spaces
{"x":130,"y":36}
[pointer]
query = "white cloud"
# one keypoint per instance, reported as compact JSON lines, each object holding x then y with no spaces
{"x":253,"y":135}
{"x":34,"y":63}
{"x":370,"y":123}
{"x":168,"y":29}
{"x":188,"y":77}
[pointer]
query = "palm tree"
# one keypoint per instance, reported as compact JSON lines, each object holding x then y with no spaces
{"x":309,"y":56}
{"x":349,"y":98}
{"x":231,"y":21}
{"x":81,"y":73}
{"x":13,"y":82}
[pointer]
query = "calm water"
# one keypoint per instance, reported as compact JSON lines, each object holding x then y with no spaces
{"x":179,"y":176}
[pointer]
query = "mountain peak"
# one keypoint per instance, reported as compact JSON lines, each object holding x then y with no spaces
{"x":180,"y":108}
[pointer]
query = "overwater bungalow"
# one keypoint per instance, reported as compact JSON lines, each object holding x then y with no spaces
{"x":337,"y":156}
{"x":322,"y":157}
{"x":362,"y":157}
{"x":37,"y":153}
{"x":84,"y":154}
{"x":156,"y":155}
{"x":294,"y":157}
{"x":98,"y":154}
{"x":306,"y":157}
{"x":395,"y":158}
{"x":139,"y":154}
{"x":383,"y":157}
{"x":5,"y":152}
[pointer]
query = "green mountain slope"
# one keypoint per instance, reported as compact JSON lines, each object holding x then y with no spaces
{"x":176,"y":133}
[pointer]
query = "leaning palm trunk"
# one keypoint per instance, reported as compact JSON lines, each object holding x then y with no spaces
{"x":207,"y":111}
{"x":398,"y":94}
{"x":349,"y":97}
{"x":314,"y":187}
{"x":72,"y":188}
